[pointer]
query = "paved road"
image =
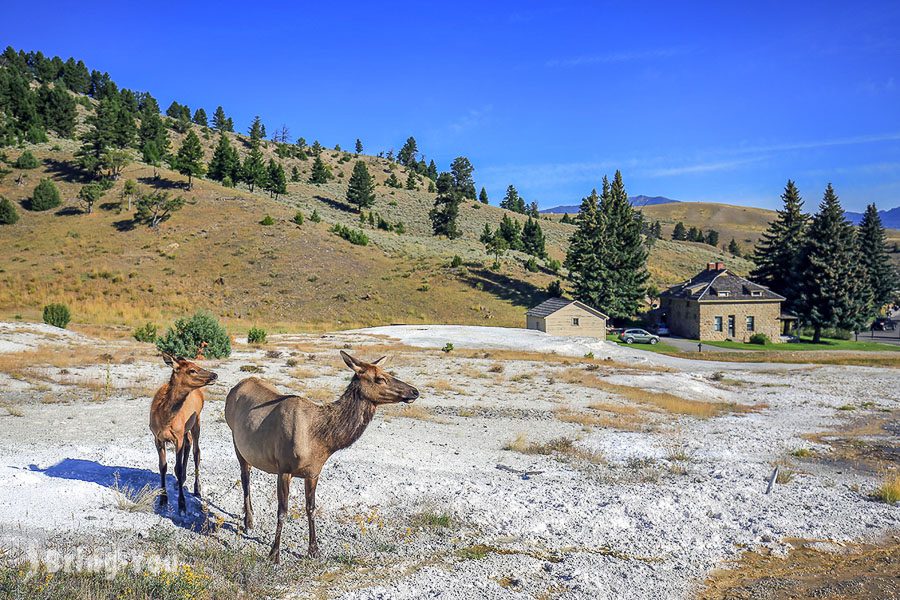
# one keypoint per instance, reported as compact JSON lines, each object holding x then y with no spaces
{"x":686,"y":345}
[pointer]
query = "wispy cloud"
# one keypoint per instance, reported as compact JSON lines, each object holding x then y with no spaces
{"x":703,"y":167}
{"x":544,"y":175}
{"x":810,"y":145}
{"x":473,"y":118}
{"x":616,"y":57}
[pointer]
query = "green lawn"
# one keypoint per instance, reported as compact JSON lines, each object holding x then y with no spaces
{"x":661,"y":347}
{"x":806,"y":344}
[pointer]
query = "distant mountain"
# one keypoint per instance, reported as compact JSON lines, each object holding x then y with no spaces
{"x":635,"y":201}
{"x":889,"y":218}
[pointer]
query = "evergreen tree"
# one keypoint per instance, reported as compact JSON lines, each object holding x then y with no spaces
{"x":411,"y":181}
{"x":692,"y":234}
{"x":712,"y":238}
{"x":512,"y":200}
{"x":8,"y":213}
{"x":873,"y":255}
{"x":462,"y":170}
{"x":734,"y":248}
{"x":432,"y":171}
{"x":833,"y":287}
{"x":155,"y":207}
{"x":152,"y":130}
{"x":361,"y":188}
{"x":359,"y":146}
{"x":679,"y":233}
{"x":295,"y":174}
{"x":582,"y":257}
{"x":320,"y":172}
{"x":566,"y":219}
{"x":486,"y":234}
{"x":189,"y":158}
{"x":56,"y":109}
{"x":494,"y":244}
{"x":533,"y":241}
{"x":174,"y":111}
{"x":220,"y":121}
{"x":200,"y":118}
{"x":45,"y":196}
{"x":106,"y":129}
{"x":533,"y":211}
{"x":276,"y":182}
{"x":777,"y":253}
{"x":152,"y":156}
{"x":446,"y":208}
{"x":253,"y":171}
{"x":407,"y":154}
{"x":511,"y":232}
{"x":225,"y":161}
{"x":482,"y":196}
{"x":392,"y":181}
{"x":257,"y":131}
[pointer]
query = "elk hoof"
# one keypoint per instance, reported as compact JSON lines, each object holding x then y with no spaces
{"x":197,"y":491}
{"x":313,"y":552}
{"x":163,"y":500}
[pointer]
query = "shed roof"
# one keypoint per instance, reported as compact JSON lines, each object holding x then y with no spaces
{"x":720,"y":285}
{"x":548,"y":307}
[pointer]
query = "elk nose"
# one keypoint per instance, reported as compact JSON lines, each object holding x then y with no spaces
{"x":414,"y":394}
{"x":213,"y":377}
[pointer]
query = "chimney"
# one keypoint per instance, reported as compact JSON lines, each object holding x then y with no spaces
{"x":720,"y":266}
{"x":710,"y":266}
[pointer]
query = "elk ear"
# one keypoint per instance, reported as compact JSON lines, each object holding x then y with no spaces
{"x":351,"y":362}
{"x":169,"y":359}
{"x":381,"y":361}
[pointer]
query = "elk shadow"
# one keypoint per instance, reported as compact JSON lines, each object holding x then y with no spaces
{"x":336,"y":204}
{"x":131,"y":481}
{"x":520,"y":293}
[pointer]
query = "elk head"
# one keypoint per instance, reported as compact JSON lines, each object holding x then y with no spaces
{"x":187,"y":373}
{"x":377,"y":385}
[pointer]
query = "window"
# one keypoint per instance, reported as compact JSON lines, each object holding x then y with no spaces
{"x":718,"y":326}
{"x":756,"y":293}
{"x":575,"y":321}
{"x":751,"y":323}
{"x":723,"y":293}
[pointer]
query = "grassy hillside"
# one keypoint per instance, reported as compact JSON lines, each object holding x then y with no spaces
{"x":744,"y":224}
{"x":215,"y":253}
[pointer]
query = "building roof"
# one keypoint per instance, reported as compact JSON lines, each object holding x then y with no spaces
{"x":717,"y":284}
{"x":548,"y":307}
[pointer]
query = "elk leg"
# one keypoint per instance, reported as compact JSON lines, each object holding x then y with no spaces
{"x":310,"y":515}
{"x":163,"y":467}
{"x":245,"y":485}
{"x":180,"y":464}
{"x":195,"y":432}
{"x":284,"y":492}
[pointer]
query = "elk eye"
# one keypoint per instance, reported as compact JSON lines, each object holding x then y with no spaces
{"x":193,"y":371}
{"x":380,"y":380}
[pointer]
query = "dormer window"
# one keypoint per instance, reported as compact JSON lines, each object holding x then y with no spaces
{"x":756,"y":293}
{"x":722,"y":293}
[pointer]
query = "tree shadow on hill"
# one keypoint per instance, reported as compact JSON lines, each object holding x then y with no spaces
{"x":130,"y":481}
{"x":69,"y":211}
{"x":161,"y":183}
{"x":66,"y":170}
{"x":520,"y":293}
{"x":125,"y":225}
{"x":336,"y":204}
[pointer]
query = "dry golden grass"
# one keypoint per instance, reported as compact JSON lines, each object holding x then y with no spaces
{"x":49,"y":356}
{"x":472,"y":372}
{"x":562,"y":446}
{"x":409,"y":411}
{"x":660,"y":400}
{"x":889,"y":490}
{"x":557,"y":359}
{"x":442,"y":385}
{"x":14,"y":411}
{"x":621,"y":422}
{"x":304,"y":373}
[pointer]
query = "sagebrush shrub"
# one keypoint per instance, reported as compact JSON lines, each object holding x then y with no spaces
{"x":354,"y":236}
{"x":57,"y":315}
{"x":188,"y":335}
{"x":45,"y":196}
{"x":256,"y":336}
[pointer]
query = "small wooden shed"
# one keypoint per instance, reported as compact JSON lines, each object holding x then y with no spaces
{"x":558,"y":316}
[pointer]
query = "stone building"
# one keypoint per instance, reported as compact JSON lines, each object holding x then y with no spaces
{"x":557,"y":316}
{"x":718,"y":305}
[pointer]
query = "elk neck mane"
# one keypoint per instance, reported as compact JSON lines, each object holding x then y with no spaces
{"x":175,"y":394}
{"x":344,"y":420}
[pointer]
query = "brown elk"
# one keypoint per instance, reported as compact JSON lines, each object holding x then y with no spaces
{"x":290,"y":436}
{"x":175,"y":419}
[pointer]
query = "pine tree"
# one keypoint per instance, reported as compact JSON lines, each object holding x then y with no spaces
{"x":152,"y":156}
{"x":8,"y":213}
{"x":359,"y":146}
{"x":533,"y":241}
{"x":873,"y":255}
{"x":276,"y":182}
{"x":494,"y":244}
{"x":482,"y":196}
{"x":225,"y":161}
{"x":582,"y":257}
{"x":189,"y":158}
{"x":734,"y":248}
{"x":462,"y":170}
{"x":777,"y":254}
{"x":361,"y":188}
{"x":253,"y":171}
{"x":220,"y":121}
{"x":566,"y":219}
{"x":533,"y":211}
{"x":295,"y":174}
{"x":511,"y":231}
{"x":45,"y":196}
{"x":623,"y":256}
{"x":712,"y":237}
{"x":257,"y":131}
{"x":106,"y":129}
{"x":152,"y":131}
{"x":679,"y":233}
{"x":200,"y":118}
{"x":392,"y":181}
{"x":411,"y":181}
{"x":432,"y":171}
{"x":692,"y":234}
{"x":512,"y":201}
{"x":174,"y":111}
{"x":407,"y":154}
{"x":56,"y":110}
{"x":446,"y":208}
{"x":320,"y":173}
{"x":832,"y":282}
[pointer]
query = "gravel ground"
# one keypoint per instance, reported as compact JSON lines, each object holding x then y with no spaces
{"x":669,"y":501}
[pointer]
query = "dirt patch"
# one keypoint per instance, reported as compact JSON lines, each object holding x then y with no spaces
{"x":812,"y":569}
{"x":868,"y":445}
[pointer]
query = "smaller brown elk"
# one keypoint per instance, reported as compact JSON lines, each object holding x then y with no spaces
{"x":175,"y":419}
{"x":290,"y":436}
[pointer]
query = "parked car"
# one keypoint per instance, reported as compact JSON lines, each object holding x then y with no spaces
{"x":883,"y":324}
{"x":631,"y":336}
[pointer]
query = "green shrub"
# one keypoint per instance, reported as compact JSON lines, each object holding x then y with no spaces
{"x":26,"y":160}
{"x":187,"y":336}
{"x":555,"y":288}
{"x":314,"y":217}
{"x":45,"y":196}
{"x":8,"y":214}
{"x":354,"y":236}
{"x":400,"y":228}
{"x":57,"y":315}
{"x":457,"y":261}
{"x":36,"y":135}
{"x":298,"y":218}
{"x":759,"y":338}
{"x":145,"y":333}
{"x":267,"y":220}
{"x":256,"y":336}
{"x":531,"y":265}
{"x":553,"y":265}
{"x":448,"y":347}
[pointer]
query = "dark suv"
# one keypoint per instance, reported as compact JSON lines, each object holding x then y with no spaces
{"x":883,"y":324}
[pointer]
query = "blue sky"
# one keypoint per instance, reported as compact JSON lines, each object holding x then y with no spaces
{"x":718,"y":101}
